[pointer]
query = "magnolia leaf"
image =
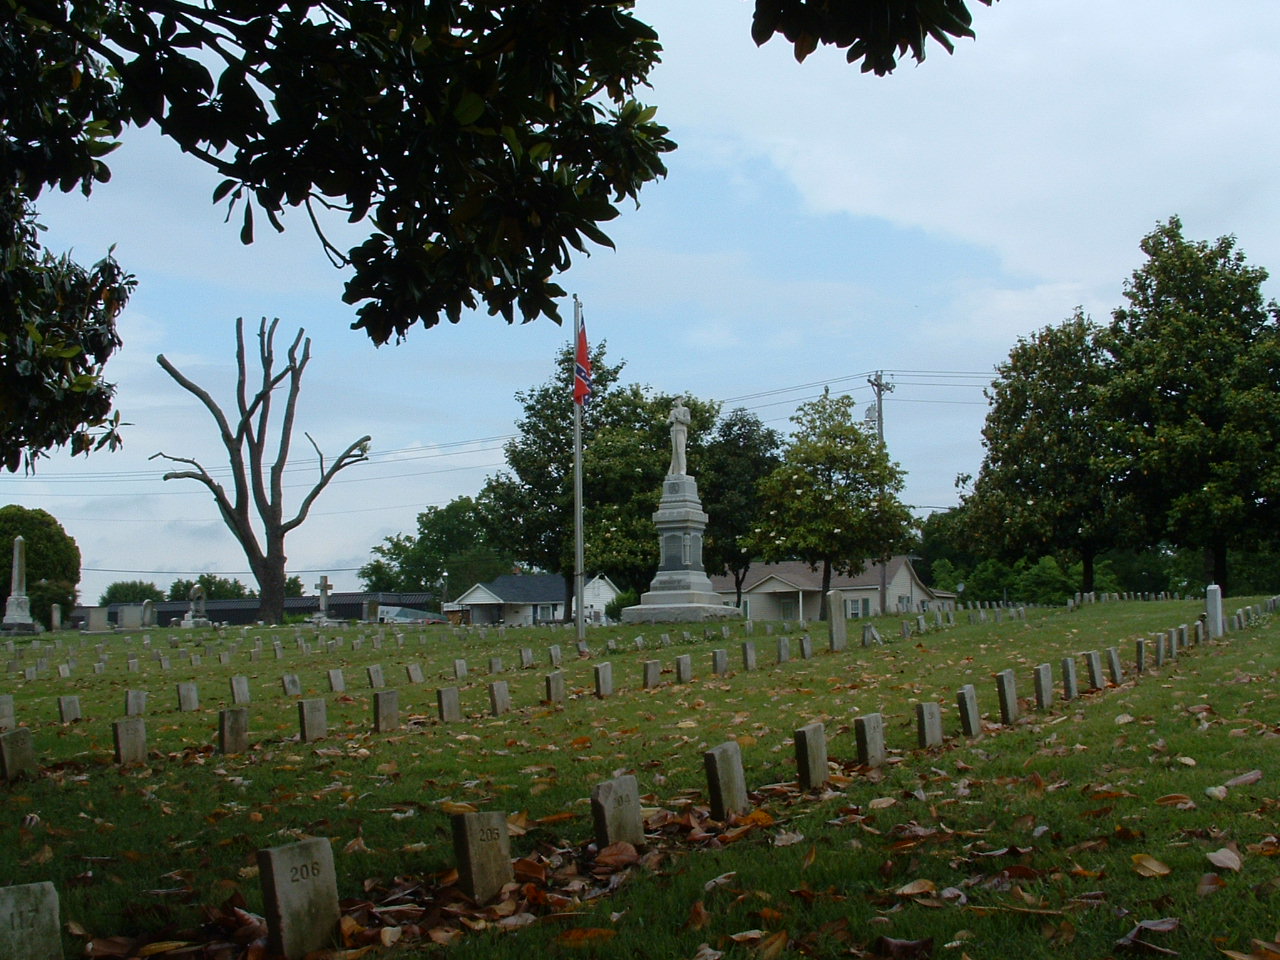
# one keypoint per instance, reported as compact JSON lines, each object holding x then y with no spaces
{"x":1245,"y":779}
{"x":1210,"y":883}
{"x":699,"y":916}
{"x":1226,"y":858}
{"x":915,"y":888}
{"x":1149,"y":866}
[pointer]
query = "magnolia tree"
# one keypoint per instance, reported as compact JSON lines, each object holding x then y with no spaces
{"x":833,"y":502}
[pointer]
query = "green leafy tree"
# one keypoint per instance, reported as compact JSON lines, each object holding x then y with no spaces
{"x":946,"y":575}
{"x":1195,"y":396}
{"x":1043,"y":582}
{"x":130,"y":591}
{"x":993,"y":579}
{"x":451,"y":542}
{"x":254,"y":510}
{"x":215,"y":588}
{"x":943,"y":536}
{"x":53,"y":559}
{"x":740,"y":453}
{"x":529,"y":506}
{"x":293,"y":587}
{"x":57,"y":329}
{"x":1045,"y":484}
{"x":833,"y":502}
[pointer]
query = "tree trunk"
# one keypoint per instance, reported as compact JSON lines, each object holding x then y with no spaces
{"x":1218,"y":564}
{"x":271,"y":589}
{"x":1087,"y":556}
{"x":739,"y":578}
{"x":826,"y":588}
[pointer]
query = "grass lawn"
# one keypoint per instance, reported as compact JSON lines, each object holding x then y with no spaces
{"x":1062,"y":835}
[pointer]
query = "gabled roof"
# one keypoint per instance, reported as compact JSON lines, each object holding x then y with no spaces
{"x":798,"y":575}
{"x":523,"y":588}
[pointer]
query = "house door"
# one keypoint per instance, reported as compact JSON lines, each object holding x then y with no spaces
{"x":788,"y":608}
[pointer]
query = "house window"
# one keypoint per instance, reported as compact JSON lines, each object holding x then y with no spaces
{"x":787,"y":609}
{"x":546,"y":612}
{"x":857,"y":607}
{"x":904,"y":602}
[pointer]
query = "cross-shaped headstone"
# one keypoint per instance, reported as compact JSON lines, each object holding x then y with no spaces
{"x":324,"y":586}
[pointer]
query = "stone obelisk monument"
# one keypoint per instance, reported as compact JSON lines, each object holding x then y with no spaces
{"x":17,"y":609}
{"x":681,"y":591}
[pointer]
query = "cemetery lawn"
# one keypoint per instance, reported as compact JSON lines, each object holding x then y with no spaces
{"x":1142,"y":818}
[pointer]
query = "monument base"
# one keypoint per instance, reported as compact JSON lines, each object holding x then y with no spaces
{"x":20,"y":628}
{"x":190,"y":623}
{"x":679,"y":613}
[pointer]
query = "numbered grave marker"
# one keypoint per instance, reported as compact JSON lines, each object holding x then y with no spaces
{"x":233,"y":730}
{"x":300,"y":894}
{"x":615,"y":809}
{"x":811,"y":755}
{"x":29,"y":922}
{"x":483,"y":850}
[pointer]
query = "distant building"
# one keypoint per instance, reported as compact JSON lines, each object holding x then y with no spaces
{"x":527,"y":599}
{"x":792,"y":590}
{"x":370,"y":607}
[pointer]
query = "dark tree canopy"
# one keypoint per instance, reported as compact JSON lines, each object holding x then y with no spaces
{"x":130,"y":591}
{"x":215,"y":588}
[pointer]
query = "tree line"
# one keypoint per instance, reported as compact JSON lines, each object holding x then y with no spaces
{"x":826,"y":495}
{"x":1151,"y":442}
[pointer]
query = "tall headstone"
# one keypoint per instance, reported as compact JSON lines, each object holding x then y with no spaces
{"x":300,"y":895}
{"x":967,"y":704}
{"x":17,"y":754}
{"x":30,"y":925}
{"x":130,"y":736}
{"x":135,"y":703}
{"x":337,"y":681}
{"x":313,"y":720}
{"x":837,"y":626}
{"x":748,"y":655}
{"x":868,"y":733}
{"x":1007,"y":691}
{"x":1093,"y":661}
{"x":615,"y":811}
{"x":811,"y":755}
{"x":928,"y":724}
{"x":784,"y":649}
{"x":386,"y":711}
{"x":7,"y":718}
{"x":652,"y":673}
{"x":604,"y":680}
{"x":554,"y":683}
{"x":1043,"y":677}
{"x":69,"y":709}
{"x":233,"y":730}
{"x":376,"y":679}
{"x":324,"y":587}
{"x":188,"y":697}
{"x":1113,"y":666}
{"x":1213,"y":610}
{"x":17,"y":609}
{"x":1070,"y":685}
{"x":499,"y":698}
{"x":719,"y":662}
{"x":726,"y":782}
{"x":684,"y":668}
{"x":482,"y":846}
{"x":449,"y":705}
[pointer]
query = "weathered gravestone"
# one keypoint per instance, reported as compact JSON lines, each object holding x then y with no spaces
{"x":1093,"y":660}
{"x":554,"y":684}
{"x":30,"y":922}
{"x":967,"y":704}
{"x":837,"y":626}
{"x":495,"y":665}
{"x":652,"y":673}
{"x":449,"y":705}
{"x":337,"y":681}
{"x":414,"y":672}
{"x":130,"y":736}
{"x":300,"y":896}
{"x":69,"y":709}
{"x":482,"y":847}
{"x":1113,"y":666}
{"x":499,"y":698}
{"x":928,"y":724}
{"x":188,"y":697}
{"x":684,"y":668}
{"x":868,"y":732}
{"x":17,"y":754}
{"x":233,"y":730}
{"x":526,"y":658}
{"x":313,"y":721}
{"x":554,"y":656}
{"x":459,"y":669}
{"x":1158,"y":642}
{"x":719,"y":662}
{"x":870,"y":635}
{"x":604,"y":680}
{"x":135,"y":703}
{"x":376,"y":679}
{"x":784,"y":649}
{"x":1070,"y":684}
{"x":7,"y":719}
{"x":1007,"y":691}
{"x":726,"y":782}
{"x":1140,"y":656}
{"x":615,"y":811}
{"x":386,"y":711}
{"x":1213,"y":610}
{"x":1043,"y":678}
{"x":806,"y":647}
{"x":811,"y":755}
{"x":291,"y":685}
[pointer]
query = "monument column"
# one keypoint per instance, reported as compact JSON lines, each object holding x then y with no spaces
{"x":17,"y":609}
{"x":680,"y":591}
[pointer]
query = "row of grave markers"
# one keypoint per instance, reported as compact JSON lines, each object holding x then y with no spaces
{"x":300,"y":884}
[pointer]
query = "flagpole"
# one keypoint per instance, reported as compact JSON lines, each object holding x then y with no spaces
{"x":578,"y":553}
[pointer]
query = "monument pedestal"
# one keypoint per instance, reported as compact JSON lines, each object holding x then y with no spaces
{"x":680,"y":592}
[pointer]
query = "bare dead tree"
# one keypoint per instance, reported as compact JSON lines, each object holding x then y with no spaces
{"x":257,"y":487}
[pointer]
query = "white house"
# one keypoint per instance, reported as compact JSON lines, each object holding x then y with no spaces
{"x":793,"y":591}
{"x":527,"y":599}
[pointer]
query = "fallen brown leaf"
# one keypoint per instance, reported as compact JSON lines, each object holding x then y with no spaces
{"x":1226,"y":858}
{"x":1148,"y":866}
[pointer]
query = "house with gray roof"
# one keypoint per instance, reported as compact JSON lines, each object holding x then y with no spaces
{"x":527,"y":599}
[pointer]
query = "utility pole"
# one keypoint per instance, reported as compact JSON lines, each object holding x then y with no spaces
{"x":880,"y":387}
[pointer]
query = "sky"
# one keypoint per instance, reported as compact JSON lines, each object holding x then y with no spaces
{"x":817,"y":224}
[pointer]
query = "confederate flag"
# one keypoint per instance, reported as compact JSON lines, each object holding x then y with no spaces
{"x":582,"y":368}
